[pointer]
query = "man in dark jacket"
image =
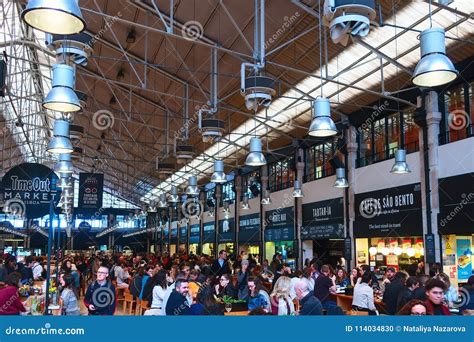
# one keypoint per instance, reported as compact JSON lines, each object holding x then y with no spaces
{"x":177,"y":304}
{"x":309,"y":304}
{"x":392,"y":291}
{"x":8,"y":267}
{"x":407,"y":292}
{"x":100,"y":297}
{"x":221,"y":266}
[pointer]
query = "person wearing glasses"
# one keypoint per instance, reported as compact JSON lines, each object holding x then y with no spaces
{"x":100,"y":297}
{"x":434,"y":290}
{"x":225,"y":287}
{"x":414,"y":307}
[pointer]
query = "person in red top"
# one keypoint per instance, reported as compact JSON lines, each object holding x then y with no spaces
{"x":10,"y":303}
{"x":434,"y":298}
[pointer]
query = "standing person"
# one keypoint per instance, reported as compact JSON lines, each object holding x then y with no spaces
{"x":100,"y":297}
{"x":407,"y":293}
{"x":276,"y":260}
{"x":242,"y":276}
{"x":221,"y":266}
{"x":10,"y":303}
{"x":69,"y":304}
{"x":178,"y":304}
{"x":282,"y":304}
{"x":363,"y":299}
{"x":309,"y":304}
{"x":392,"y":291}
{"x":324,"y":287}
{"x":435,"y":289}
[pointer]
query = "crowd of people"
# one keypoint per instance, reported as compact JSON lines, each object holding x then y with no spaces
{"x":201,"y":285}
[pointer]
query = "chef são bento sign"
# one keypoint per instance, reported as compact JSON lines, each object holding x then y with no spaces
{"x":28,"y":189}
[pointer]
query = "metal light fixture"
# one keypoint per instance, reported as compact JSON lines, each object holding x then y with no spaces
{"x":245,"y":203}
{"x":192,"y":189}
{"x":162,"y":203}
{"x":341,"y":181}
{"x":297,"y":192}
{"x":60,"y":142}
{"x":57,"y":17}
{"x":400,"y":166}
{"x":173,"y":196}
{"x":434,"y":68}
{"x":266,"y":197}
{"x":65,"y":182}
{"x":255,"y":157}
{"x":68,"y":193}
{"x":322,"y":125}
{"x":64,"y":165}
{"x":218,"y":176}
{"x":61,"y":97}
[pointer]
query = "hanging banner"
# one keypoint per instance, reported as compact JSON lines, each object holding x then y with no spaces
{"x":208,"y":233}
{"x":323,"y":220}
{"x":28,"y":189}
{"x":226,"y":230}
{"x":194,"y":232}
{"x":249,"y":228}
{"x":464,"y":255}
{"x":91,"y":190}
{"x":389,"y":212}
{"x":280,"y":224}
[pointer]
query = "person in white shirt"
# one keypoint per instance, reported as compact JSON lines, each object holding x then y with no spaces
{"x":363,"y":299}
{"x":159,"y":290}
{"x":37,"y":270}
{"x":121,"y":275}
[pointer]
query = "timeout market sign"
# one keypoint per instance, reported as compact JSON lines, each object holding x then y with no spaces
{"x":29,"y":188}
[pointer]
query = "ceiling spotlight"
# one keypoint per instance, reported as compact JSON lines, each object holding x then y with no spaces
{"x":341,"y":181}
{"x":192,"y":189}
{"x":255,"y":157}
{"x":64,"y":165}
{"x":62,"y":98}
{"x":131,"y":37}
{"x":297,"y":192}
{"x":322,"y":125}
{"x":60,"y":142}
{"x":56,"y":17}
{"x":173,"y":196}
{"x":400,"y":166}
{"x":434,"y":68}
{"x":218,"y":176}
{"x":245,"y":203}
{"x":266,"y":197}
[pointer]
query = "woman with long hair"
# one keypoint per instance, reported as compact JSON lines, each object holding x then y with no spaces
{"x":258,"y":297}
{"x":160,"y":283}
{"x":282,"y":304}
{"x":341,"y":278}
{"x":414,"y":307}
{"x":225,"y":287}
{"x":69,"y":304}
{"x":354,"y":276}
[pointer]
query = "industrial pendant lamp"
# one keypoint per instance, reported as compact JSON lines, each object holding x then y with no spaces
{"x":322,"y":124}
{"x":57,"y":17}
{"x":192,"y":189}
{"x":64,"y":165}
{"x":173,"y":196}
{"x":62,"y":98}
{"x":218,"y":176}
{"x":245,"y":203}
{"x":162,"y":203}
{"x":65,"y":182}
{"x":255,"y":157}
{"x":341,"y":181}
{"x":266,"y":197}
{"x":60,"y":142}
{"x":297,"y":192}
{"x":400,"y":166}
{"x":434,"y":68}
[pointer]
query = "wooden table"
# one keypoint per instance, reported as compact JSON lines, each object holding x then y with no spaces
{"x":236,"y":313}
{"x":345,"y":302}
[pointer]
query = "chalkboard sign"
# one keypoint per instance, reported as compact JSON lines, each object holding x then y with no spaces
{"x":227,"y":230}
{"x":194,"y":233}
{"x":209,"y":232}
{"x":249,"y":228}
{"x":323,"y":220}
{"x":280,"y":224}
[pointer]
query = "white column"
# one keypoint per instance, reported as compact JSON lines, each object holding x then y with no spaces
{"x":351,"y":178}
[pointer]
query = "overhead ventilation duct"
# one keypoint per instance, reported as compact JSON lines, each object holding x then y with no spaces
{"x":347,"y":18}
{"x":75,"y":47}
{"x":183,"y":152}
{"x":166,"y":167}
{"x":211,"y":128}
{"x":258,"y":91}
